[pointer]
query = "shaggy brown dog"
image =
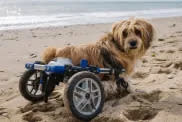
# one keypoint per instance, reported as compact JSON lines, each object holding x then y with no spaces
{"x":127,"y":42}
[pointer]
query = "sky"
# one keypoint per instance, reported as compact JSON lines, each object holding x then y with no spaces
{"x":99,"y":0}
{"x":112,"y":0}
{"x":127,"y":0}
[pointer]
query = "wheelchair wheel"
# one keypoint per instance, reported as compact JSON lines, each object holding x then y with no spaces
{"x":29,"y":86}
{"x":84,"y":96}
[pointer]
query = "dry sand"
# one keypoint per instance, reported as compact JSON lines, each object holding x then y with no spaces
{"x":158,"y":75}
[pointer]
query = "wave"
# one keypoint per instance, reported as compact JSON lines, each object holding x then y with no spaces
{"x":14,"y":22}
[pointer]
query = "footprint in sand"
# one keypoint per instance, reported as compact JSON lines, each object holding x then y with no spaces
{"x":137,"y":106}
{"x":140,"y":113}
{"x":153,"y":96}
{"x":143,"y":111}
{"x":31,"y":111}
{"x":31,"y":117}
{"x":41,"y":107}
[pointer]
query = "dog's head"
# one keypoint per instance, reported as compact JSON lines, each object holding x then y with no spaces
{"x":133,"y":35}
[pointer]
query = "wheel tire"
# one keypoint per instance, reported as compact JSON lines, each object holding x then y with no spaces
{"x":68,"y":95}
{"x":23,"y":89}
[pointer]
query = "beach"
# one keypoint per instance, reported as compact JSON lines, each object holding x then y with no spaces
{"x":158,"y":74}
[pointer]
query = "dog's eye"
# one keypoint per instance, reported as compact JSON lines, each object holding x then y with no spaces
{"x":137,"y":32}
{"x":125,"y":34}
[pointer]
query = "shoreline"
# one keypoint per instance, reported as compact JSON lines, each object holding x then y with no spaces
{"x":64,"y":26}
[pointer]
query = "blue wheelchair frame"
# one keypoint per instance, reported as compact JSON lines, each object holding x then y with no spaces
{"x":68,"y":70}
{"x":61,"y":69}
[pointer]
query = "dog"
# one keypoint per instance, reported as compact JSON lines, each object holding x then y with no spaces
{"x":127,"y":42}
{"x":120,"y":48}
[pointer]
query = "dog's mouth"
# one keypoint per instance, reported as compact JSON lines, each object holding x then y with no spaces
{"x":133,"y":47}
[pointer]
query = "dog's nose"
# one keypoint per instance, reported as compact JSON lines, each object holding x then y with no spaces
{"x":133,"y":43}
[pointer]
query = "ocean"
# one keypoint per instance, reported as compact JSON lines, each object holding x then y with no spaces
{"x":44,"y":13}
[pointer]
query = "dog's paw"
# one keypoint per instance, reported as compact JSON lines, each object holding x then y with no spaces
{"x":123,"y":85}
{"x":122,"y":92}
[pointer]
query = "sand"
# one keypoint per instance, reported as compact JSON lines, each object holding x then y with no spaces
{"x":157,"y":77}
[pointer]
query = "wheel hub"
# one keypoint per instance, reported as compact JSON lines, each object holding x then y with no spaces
{"x":87,"y":96}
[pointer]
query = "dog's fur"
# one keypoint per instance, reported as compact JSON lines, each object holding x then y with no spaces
{"x":114,"y":49}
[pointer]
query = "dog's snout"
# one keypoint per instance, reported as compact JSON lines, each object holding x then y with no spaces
{"x":133,"y":43}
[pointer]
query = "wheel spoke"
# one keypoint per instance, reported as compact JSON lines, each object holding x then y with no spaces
{"x":35,"y":92}
{"x":31,"y":80}
{"x":82,"y":101}
{"x":29,"y":84}
{"x":86,"y":85}
{"x":90,"y":106}
{"x":31,"y":90}
{"x":95,"y":91}
{"x":90,"y":89}
{"x":95,"y":97}
{"x":92,"y":103}
{"x":84,"y":105}
{"x":78,"y":94}
{"x":35,"y":76}
{"x":81,"y":89}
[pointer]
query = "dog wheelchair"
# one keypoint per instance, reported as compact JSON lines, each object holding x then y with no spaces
{"x":84,"y":92}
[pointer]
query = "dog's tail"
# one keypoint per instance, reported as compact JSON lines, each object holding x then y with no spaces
{"x":49,"y":54}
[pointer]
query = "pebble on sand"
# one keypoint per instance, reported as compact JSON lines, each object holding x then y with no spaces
{"x":32,"y":55}
{"x":170,"y":51}
{"x":170,"y":77}
{"x":161,"y":39}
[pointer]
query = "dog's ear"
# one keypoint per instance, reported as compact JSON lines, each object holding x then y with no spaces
{"x":114,"y":26}
{"x":148,"y":33}
{"x":115,"y":29}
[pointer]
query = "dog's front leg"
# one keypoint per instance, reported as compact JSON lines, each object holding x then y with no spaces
{"x":112,"y":90}
{"x":124,"y":83}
